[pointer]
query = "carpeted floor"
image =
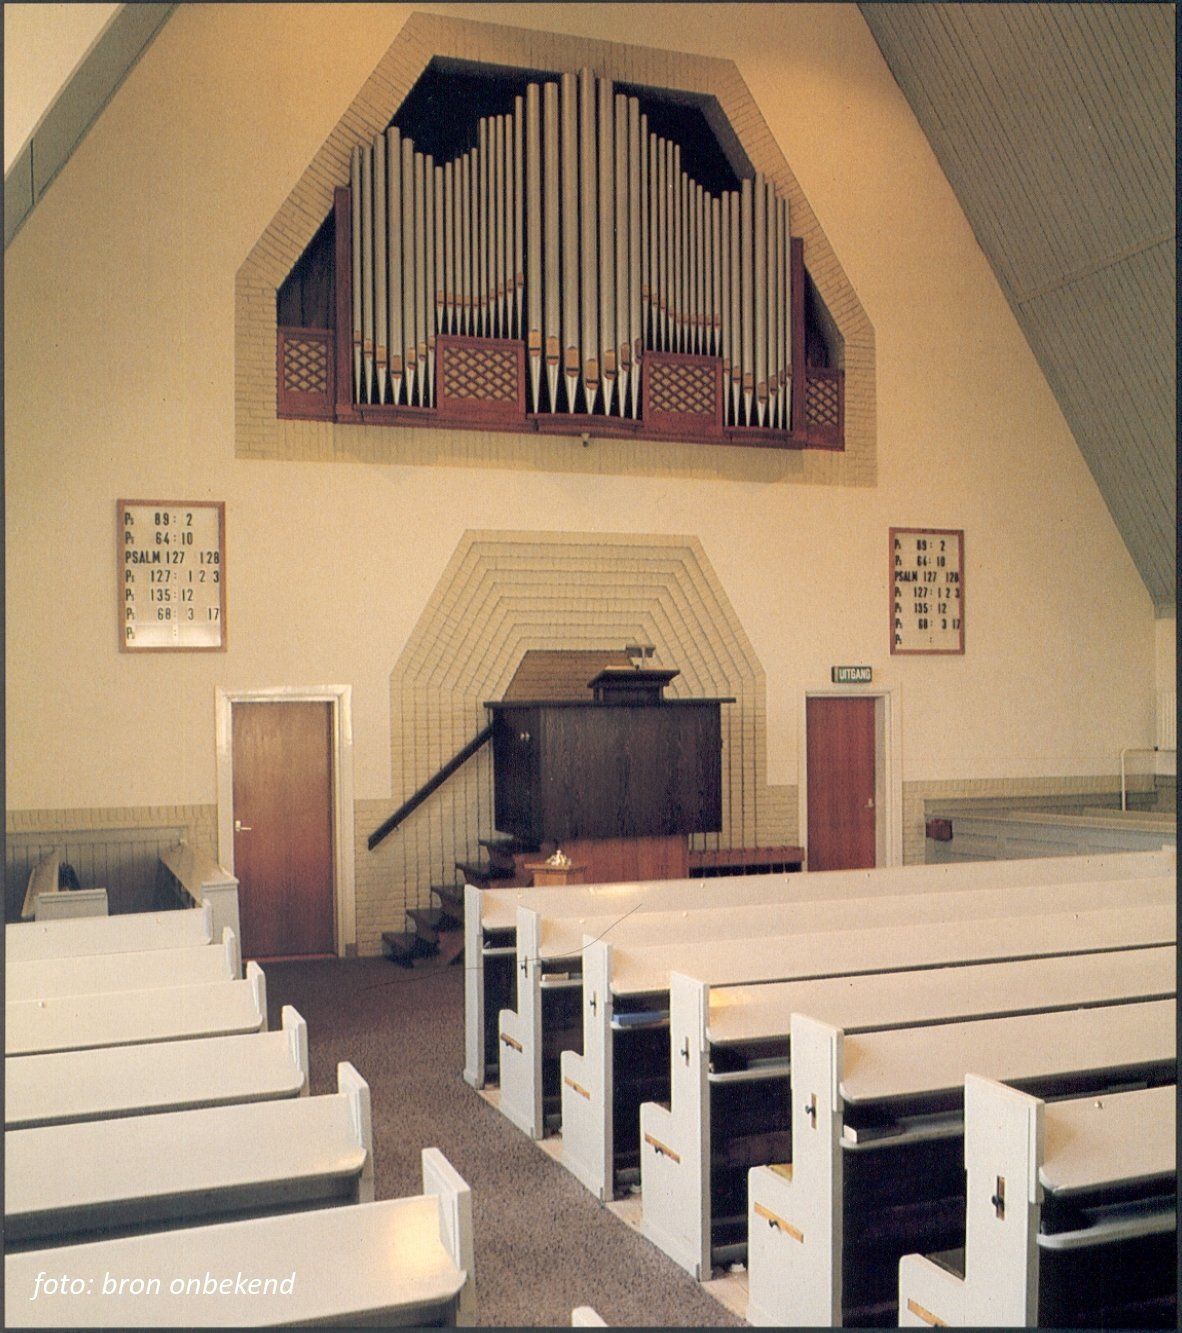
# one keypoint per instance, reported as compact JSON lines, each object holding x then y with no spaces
{"x":543,"y":1244}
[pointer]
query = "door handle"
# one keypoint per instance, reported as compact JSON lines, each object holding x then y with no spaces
{"x":240,"y":827}
{"x":870,"y":803}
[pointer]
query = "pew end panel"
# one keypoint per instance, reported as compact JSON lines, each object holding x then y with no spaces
{"x":202,"y":881}
{"x":930,"y":1296}
{"x":296,"y":1028}
{"x":583,"y":1316}
{"x":587,"y":1081}
{"x":519,"y":1033}
{"x":675,"y":1141}
{"x":233,"y":952}
{"x":794,"y":1214}
{"x":444,"y":1182}
{"x":1070,"y":1211}
{"x":1001,"y":1219}
{"x":474,"y":1052}
{"x":355,"y":1090}
{"x":257,"y":981}
{"x":1004,"y":1219}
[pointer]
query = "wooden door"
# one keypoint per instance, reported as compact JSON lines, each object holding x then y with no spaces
{"x":283,"y":851}
{"x":841,"y":783}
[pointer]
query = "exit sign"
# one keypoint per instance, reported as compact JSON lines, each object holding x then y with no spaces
{"x":851,"y":675}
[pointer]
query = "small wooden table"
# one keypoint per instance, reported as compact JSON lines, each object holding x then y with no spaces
{"x":544,"y":875}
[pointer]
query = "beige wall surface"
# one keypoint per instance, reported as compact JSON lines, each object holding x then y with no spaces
{"x":119,"y":374}
{"x":43,"y":45}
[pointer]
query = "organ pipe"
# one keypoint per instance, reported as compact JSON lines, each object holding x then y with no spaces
{"x":570,"y":237}
{"x":410,"y":358}
{"x":533,"y":245}
{"x":607,"y":267}
{"x":394,"y":260}
{"x":355,"y":209}
{"x":552,"y":328}
{"x":380,"y":237}
{"x":569,"y":224}
{"x":518,"y":265}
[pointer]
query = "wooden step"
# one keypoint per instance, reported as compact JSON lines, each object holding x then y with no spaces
{"x":407,"y":949}
{"x":484,"y":873}
{"x":505,"y":852}
{"x":451,"y":903}
{"x":428,"y":922}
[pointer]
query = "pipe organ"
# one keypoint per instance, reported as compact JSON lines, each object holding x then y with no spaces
{"x":567,"y":263}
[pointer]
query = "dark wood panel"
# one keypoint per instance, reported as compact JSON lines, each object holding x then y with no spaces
{"x":614,"y":860}
{"x":565,"y":771}
{"x":283,"y":857}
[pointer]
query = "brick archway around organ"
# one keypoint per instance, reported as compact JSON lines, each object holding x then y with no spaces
{"x":259,"y":433}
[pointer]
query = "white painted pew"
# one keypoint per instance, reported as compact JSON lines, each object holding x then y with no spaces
{"x":145,"y":1173}
{"x":490,"y":915}
{"x":112,"y":1081}
{"x":131,"y":933}
{"x":544,"y":942}
{"x":397,"y":1262}
{"x":130,"y":1018}
{"x":891,"y":1103}
{"x":204,"y":882}
{"x":625,"y":986}
{"x":1023,"y":1155}
{"x":710,"y":1030}
{"x":49,"y":978}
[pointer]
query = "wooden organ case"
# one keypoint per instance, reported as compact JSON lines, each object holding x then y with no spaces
{"x":562,"y":273}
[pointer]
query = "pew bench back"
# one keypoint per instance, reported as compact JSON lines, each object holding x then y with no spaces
{"x":131,"y":1018}
{"x":146,"y":1173}
{"x":130,"y":933}
{"x":396,"y":1262}
{"x":151,"y":969}
{"x":107,"y":1082}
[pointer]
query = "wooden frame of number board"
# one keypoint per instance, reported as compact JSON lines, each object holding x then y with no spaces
{"x":160,"y":545}
{"x":910,"y":620}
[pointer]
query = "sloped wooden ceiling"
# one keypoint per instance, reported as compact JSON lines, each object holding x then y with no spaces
{"x":1054,"y":124}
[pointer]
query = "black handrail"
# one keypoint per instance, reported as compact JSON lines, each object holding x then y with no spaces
{"x":457,"y":760}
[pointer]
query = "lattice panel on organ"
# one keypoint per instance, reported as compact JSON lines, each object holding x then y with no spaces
{"x":484,"y":373}
{"x":685,"y":390}
{"x":481,"y":378}
{"x":822,"y":400}
{"x":305,"y":366}
{"x":683,"y":394}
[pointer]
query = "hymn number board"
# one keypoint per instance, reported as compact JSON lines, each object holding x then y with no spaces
{"x":927,"y":590}
{"x":172,"y":575}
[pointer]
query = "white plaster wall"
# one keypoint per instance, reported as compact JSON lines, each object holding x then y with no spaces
{"x":119,"y":382}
